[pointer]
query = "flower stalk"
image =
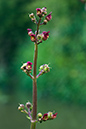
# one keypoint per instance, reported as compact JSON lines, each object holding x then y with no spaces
{"x":31,"y":109}
{"x":33,"y":125}
{"x":35,"y":83}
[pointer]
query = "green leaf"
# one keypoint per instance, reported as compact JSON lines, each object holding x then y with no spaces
{"x":28,"y":117}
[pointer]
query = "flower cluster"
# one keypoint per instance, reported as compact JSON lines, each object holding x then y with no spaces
{"x":27,"y":67}
{"x":46,"y":116}
{"x":22,"y":107}
{"x":44,"y":68}
{"x":32,"y":16}
{"x":27,"y":108}
{"x":41,"y":12}
{"x":39,"y":37}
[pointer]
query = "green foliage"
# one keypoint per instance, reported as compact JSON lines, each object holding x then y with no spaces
{"x":65,"y":50}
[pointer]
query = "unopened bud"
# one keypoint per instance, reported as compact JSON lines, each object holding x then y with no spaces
{"x":50,"y":114}
{"x":41,"y":67}
{"x":21,"y":107}
{"x":39,"y":36}
{"x":46,"y":68}
{"x":31,"y":15}
{"x":45,"y":22}
{"x":29,"y":31}
{"x":28,"y":105}
{"x":23,"y":67}
{"x":39,"y":115}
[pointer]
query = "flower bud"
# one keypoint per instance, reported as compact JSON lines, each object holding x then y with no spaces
{"x":50,"y":114}
{"x":28,"y":104}
{"x":34,"y":20}
{"x":46,"y":68}
{"x":29,"y":31}
{"x":41,"y":67}
{"x":23,"y":67}
{"x":39,"y":115}
{"x":45,"y":22}
{"x":31,"y":15}
{"x":21,"y":107}
{"x":39,"y":36}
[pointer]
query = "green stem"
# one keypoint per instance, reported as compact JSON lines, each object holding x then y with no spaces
{"x":33,"y":125}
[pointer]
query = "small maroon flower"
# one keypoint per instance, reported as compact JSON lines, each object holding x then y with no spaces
{"x":45,"y":117}
{"x":29,"y":66}
{"x":33,"y":37}
{"x":49,"y":116}
{"x":48,"y":17}
{"x":29,"y":31}
{"x":45,"y":35}
{"x":54,"y":115}
{"x":39,"y":12}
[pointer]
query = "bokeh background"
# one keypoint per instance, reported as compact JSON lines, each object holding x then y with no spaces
{"x":63,"y":89}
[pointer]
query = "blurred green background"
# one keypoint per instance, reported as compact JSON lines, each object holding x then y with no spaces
{"x":63,"y":89}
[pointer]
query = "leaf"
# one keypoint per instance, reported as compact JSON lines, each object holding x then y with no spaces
{"x":28,"y":117}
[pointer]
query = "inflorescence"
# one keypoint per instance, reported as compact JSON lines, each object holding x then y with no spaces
{"x":37,"y":38}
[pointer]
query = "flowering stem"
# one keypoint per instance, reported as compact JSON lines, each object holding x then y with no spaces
{"x":35,"y":84}
{"x":38,"y":26}
{"x":33,"y":123}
